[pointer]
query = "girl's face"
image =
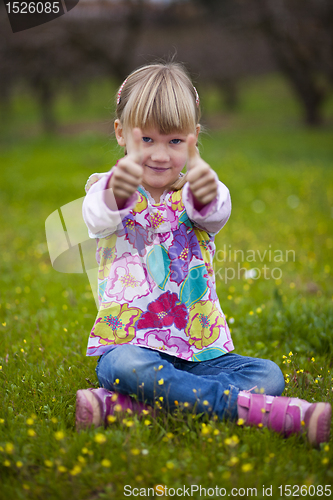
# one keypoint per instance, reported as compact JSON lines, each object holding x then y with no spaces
{"x":164,"y":157}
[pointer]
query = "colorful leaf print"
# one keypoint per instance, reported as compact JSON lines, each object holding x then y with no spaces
{"x":195,"y":285}
{"x":158,"y":264}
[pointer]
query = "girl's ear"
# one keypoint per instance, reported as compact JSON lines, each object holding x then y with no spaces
{"x":119,"y":132}
{"x":197,"y":131}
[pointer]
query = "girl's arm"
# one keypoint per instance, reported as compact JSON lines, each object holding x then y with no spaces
{"x":212,"y":216}
{"x":206,"y":199}
{"x":99,"y":209}
{"x":113,"y":196}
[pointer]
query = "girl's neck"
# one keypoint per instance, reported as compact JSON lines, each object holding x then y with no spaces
{"x":155,"y":194}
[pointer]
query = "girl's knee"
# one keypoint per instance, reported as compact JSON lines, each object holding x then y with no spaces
{"x":123,"y":360}
{"x":274,"y":379}
{"x":126,"y":364}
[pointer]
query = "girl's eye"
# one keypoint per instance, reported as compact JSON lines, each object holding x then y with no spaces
{"x":146,"y":139}
{"x":176,"y":141}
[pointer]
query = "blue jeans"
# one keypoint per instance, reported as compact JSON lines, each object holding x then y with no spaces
{"x":208,"y":386}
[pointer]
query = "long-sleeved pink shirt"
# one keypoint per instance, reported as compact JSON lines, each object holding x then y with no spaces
{"x":156,"y":281}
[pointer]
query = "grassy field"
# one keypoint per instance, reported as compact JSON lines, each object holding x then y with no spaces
{"x":274,"y":280}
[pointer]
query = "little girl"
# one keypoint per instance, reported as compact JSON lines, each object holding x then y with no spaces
{"x":160,"y":333}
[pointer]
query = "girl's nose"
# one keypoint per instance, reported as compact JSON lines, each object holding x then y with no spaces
{"x":160,"y":154}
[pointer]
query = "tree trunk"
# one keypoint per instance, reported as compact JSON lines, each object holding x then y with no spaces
{"x":45,"y":97}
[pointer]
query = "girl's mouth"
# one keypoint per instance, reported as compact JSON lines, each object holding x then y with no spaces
{"x":158,"y":169}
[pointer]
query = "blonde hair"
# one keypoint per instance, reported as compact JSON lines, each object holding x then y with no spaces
{"x":159,"y":96}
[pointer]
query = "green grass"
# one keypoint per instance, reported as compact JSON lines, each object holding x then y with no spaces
{"x":281,"y":182}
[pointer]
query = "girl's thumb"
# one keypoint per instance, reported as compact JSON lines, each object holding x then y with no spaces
{"x":192,"y":152}
{"x":137,"y":149}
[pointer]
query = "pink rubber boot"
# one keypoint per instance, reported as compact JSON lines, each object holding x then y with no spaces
{"x":93,"y":406}
{"x":286,"y":415}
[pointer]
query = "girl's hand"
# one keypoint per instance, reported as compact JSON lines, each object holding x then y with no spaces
{"x":127,"y":175}
{"x":200,"y":176}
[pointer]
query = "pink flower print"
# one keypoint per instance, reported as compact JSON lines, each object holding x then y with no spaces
{"x":128,"y":280}
{"x":165,"y":311}
{"x":184,"y":246}
{"x":156,"y":219}
{"x":161,"y":218}
{"x":161,"y":340}
{"x":210,"y":269}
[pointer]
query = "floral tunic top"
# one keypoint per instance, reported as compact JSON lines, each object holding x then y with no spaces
{"x":156,"y":282}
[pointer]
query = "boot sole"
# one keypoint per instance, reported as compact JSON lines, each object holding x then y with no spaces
{"x":84,"y":411}
{"x":318,"y":423}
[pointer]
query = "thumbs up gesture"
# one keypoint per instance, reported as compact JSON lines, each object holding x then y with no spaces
{"x":200,"y":176}
{"x":127,"y":175}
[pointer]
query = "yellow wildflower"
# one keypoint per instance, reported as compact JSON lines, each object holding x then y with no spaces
{"x":100,"y":438}
{"x":106,"y":462}
{"x":59,"y":435}
{"x":9,"y":448}
{"x":247,"y":467}
{"x":76,"y":470}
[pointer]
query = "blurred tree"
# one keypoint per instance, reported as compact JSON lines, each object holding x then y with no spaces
{"x":99,"y":39}
{"x":300,"y":34}
{"x":108,"y":36}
